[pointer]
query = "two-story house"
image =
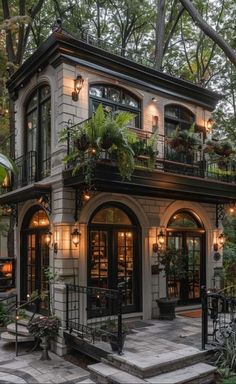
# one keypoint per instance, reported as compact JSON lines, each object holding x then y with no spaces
{"x":124,"y":222}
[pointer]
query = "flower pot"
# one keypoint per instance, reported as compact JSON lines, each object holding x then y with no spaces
{"x":107,"y":142}
{"x":83,"y":142}
{"x":44,"y":345}
{"x":167,"y":308}
{"x":113,"y":339}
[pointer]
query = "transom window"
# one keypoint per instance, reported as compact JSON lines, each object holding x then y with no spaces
{"x":115,"y":99}
{"x":38,"y":130}
{"x":177,"y":116}
{"x":183,"y":220}
{"x":39,"y":219}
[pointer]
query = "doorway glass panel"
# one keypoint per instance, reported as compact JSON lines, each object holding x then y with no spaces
{"x":99,"y":259}
{"x":125,"y":265}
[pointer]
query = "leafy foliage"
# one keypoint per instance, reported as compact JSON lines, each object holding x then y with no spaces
{"x":44,"y":326}
{"x":226,"y":356}
{"x":104,"y":132}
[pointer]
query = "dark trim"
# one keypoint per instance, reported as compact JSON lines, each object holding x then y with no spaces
{"x":59,"y":46}
{"x":157,"y":184}
{"x":111,"y":230}
{"x":33,"y":191}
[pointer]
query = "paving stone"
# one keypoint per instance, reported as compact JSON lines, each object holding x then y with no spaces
{"x":183,"y":375}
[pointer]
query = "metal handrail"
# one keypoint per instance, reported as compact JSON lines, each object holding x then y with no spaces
{"x":18,"y":307}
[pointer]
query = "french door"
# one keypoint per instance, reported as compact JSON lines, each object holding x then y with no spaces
{"x":113,"y":259}
{"x":190,"y":247}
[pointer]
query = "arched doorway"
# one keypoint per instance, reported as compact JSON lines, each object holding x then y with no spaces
{"x":34,"y":255}
{"x":114,"y":253}
{"x":186,"y":233}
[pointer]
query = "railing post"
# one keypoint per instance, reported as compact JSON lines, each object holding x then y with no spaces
{"x":120,"y":333}
{"x":204,"y":300}
{"x":16,"y":329}
{"x":67,"y":306}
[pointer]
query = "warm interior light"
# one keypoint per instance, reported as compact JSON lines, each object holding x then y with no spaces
{"x":75,"y":236}
{"x":78,"y":84}
{"x":7,"y":268}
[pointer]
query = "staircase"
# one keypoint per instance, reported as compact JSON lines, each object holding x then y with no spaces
{"x":23,"y":334}
{"x":182,"y":366}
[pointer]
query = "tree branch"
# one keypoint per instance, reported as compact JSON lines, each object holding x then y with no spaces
{"x":208,"y":30}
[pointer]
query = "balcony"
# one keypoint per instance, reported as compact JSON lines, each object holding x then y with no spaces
{"x":192,"y":174}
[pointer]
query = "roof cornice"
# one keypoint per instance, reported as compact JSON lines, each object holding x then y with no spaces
{"x":60,"y":47}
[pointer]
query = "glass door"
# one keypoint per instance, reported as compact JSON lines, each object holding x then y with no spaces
{"x":187,"y":288}
{"x":37,"y":262}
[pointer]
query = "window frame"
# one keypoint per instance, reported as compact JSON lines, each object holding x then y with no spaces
{"x":116,"y":105}
{"x":178,"y":121}
{"x":38,"y":107}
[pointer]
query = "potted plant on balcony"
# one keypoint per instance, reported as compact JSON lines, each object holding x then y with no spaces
{"x":44,"y":327}
{"x":182,"y":140}
{"x":146,"y":149}
{"x":173,"y":262}
{"x":104,"y":131}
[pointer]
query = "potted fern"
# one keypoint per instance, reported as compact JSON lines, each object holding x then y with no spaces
{"x":103,"y":132}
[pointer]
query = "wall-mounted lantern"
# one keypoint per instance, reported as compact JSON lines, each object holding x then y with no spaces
{"x":78,"y":85}
{"x":220,"y":242}
{"x":161,"y":238}
{"x":209,"y":125}
{"x":48,"y":239}
{"x":75,"y":235}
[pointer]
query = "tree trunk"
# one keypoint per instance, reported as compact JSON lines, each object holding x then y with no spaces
{"x":208,"y":30}
{"x":160,"y":33}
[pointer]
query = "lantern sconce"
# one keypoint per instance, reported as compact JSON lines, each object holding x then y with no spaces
{"x":48,"y":239}
{"x":220,"y":242}
{"x":160,"y":241}
{"x":75,"y":235}
{"x":78,"y":85}
{"x":209,"y":125}
{"x":161,"y":238}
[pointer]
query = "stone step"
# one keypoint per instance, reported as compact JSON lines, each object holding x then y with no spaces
{"x":86,"y":381}
{"x":103,"y":373}
{"x":144,"y":366}
{"x":11,"y":338}
{"x":194,"y":374}
{"x":21,"y":329}
{"x":200,"y":373}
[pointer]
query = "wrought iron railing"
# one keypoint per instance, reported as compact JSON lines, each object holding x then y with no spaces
{"x":218,"y":315}
{"x":192,"y":162}
{"x":112,"y":48}
{"x":103,"y":309}
{"x":26,"y":170}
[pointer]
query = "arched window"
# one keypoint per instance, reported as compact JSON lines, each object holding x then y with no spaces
{"x":38,"y":130}
{"x":177,"y":115}
{"x":115,"y":99}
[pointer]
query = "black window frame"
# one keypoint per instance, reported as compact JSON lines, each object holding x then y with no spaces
{"x":115,"y":106}
{"x":182,"y":123}
{"x":43,"y":165}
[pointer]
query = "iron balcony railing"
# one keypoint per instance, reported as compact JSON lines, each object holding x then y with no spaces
{"x":29,"y":170}
{"x":193,"y":162}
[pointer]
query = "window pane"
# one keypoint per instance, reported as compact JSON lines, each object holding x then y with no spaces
{"x":114,"y":95}
{"x":95,"y":91}
{"x":183,"y":219}
{"x":44,"y":92}
{"x":39,"y":219}
{"x":111,"y":215}
{"x":31,"y":131}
